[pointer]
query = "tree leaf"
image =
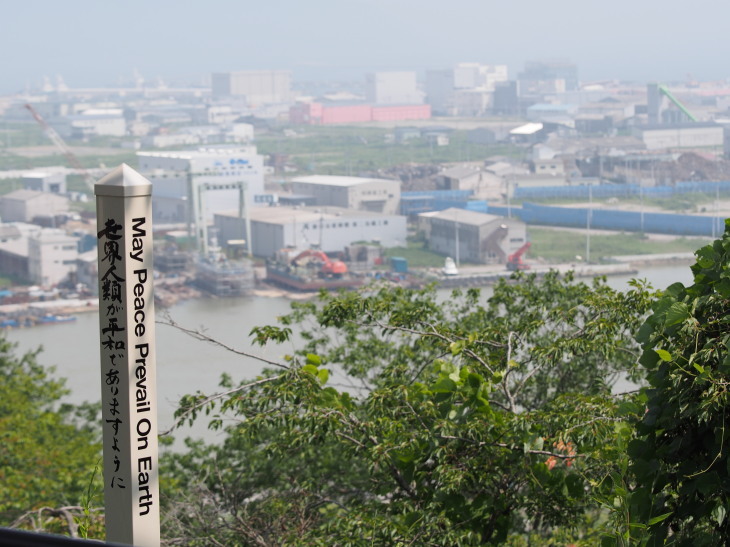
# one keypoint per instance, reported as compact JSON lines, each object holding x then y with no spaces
{"x":723,"y":287}
{"x":575,"y":485}
{"x":658,"y":519}
{"x":676,"y":313}
{"x":310,"y":369}
{"x":718,"y":513}
{"x":444,"y":385}
{"x":323,"y":375}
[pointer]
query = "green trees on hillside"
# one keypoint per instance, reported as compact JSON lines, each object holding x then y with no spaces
{"x":48,"y":451}
{"x":403,"y":420}
{"x":399,"y":417}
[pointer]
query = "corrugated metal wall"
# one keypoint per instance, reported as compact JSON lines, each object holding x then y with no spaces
{"x":620,"y":190}
{"x":413,"y":203}
{"x":605,"y":219}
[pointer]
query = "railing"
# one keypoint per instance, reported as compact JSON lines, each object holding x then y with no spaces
{"x":21,"y":538}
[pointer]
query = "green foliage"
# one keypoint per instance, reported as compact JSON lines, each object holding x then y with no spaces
{"x":47,"y":450}
{"x":680,"y":458}
{"x":88,"y":520}
{"x":403,"y":420}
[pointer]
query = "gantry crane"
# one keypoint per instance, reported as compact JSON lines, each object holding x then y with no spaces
{"x":664,"y":90}
{"x":61,"y":144}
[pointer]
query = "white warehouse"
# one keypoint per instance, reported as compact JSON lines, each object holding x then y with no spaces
{"x":258,"y":86}
{"x":330,"y":229}
{"x":688,"y":135}
{"x":25,"y":205}
{"x":173,"y":173}
{"x":51,"y":257}
{"x":393,"y":88}
{"x":364,"y":194}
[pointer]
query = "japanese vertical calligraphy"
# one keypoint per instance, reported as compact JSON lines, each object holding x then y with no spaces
{"x":127,"y":349}
{"x":111,"y":301}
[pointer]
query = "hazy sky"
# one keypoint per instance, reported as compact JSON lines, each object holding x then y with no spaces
{"x":100,"y":42}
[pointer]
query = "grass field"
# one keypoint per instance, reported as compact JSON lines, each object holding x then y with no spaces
{"x":563,"y":245}
{"x":416,"y":255}
{"x":356,"y":150}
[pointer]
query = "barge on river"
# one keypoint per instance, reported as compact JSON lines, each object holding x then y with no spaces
{"x":299,"y":279}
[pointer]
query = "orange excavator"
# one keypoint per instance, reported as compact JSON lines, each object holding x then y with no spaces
{"x":328,"y":267}
{"x":514,"y":261}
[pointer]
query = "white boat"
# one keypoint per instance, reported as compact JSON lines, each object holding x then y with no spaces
{"x":449,"y":267}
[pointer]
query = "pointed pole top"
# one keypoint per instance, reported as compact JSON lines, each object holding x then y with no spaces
{"x":123,"y":182}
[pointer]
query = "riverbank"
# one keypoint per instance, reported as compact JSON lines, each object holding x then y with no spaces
{"x":488,"y":274}
{"x":172,"y":292}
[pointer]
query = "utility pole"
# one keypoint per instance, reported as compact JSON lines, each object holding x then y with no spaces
{"x":456,"y":228}
{"x":716,"y":220}
{"x":509,"y":205}
{"x":641,"y":206}
{"x":588,"y":223}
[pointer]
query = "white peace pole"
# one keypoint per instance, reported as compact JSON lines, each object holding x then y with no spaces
{"x":127,"y":344}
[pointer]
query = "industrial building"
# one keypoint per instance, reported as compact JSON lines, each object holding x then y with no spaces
{"x":259,"y":87}
{"x":685,"y":135}
{"x":468,"y":177}
{"x":471,"y":236}
{"x":52,"y":257}
{"x":413,"y":203}
{"x":506,"y":99}
{"x":93,"y":122}
{"x":477,"y":75}
{"x":14,"y":249}
{"x":541,"y":77}
{"x":663,"y":107}
{"x":173,"y":174}
{"x":364,"y":194}
{"x":25,"y":205}
{"x":465,"y":90}
{"x":546,"y":112}
{"x":472,"y":102}
{"x":330,"y":229}
{"x":440,"y":91}
{"x":315,"y":113}
{"x":392,"y":88}
{"x":529,"y":133}
{"x":37,"y":255}
{"x":55,"y":183}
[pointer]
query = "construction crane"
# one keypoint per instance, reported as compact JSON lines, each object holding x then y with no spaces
{"x":61,"y":144}
{"x":664,"y":90}
{"x":328,"y":267}
{"x":514,"y":261}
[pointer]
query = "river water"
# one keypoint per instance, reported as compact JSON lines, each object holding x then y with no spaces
{"x":186,"y":365}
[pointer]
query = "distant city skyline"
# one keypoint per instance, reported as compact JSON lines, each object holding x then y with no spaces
{"x":99,"y":44}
